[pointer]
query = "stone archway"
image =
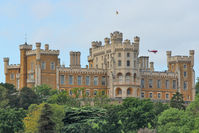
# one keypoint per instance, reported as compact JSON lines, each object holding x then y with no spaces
{"x":118,"y":92}
{"x":129,"y":92}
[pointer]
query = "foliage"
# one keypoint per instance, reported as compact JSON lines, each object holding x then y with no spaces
{"x":101,"y":100}
{"x":11,"y":95}
{"x":174,"y":121}
{"x":27,"y":97}
{"x":197,"y":86}
{"x":44,"y":92}
{"x":3,"y":98}
{"x":83,"y":120}
{"x":11,"y":120}
{"x":46,"y":125}
{"x":177,"y":101}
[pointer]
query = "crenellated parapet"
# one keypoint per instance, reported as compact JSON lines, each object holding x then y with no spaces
{"x":159,"y":74}
{"x":43,"y":52}
{"x":116,"y":37}
{"x":25,"y":46}
{"x":13,"y":66}
{"x":96,"y":44}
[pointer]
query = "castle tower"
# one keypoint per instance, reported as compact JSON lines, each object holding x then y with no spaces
{"x":38,"y":64}
{"x":116,"y":37}
{"x":23,"y":61}
{"x":75,"y":59}
{"x":6,"y":64}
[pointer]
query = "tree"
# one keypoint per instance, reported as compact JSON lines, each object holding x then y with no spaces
{"x":3,"y":98}
{"x":83,"y":120}
{"x":44,"y":92}
{"x":46,"y":125}
{"x":174,"y":120}
{"x":27,"y":97}
{"x":11,"y":120}
{"x":177,"y":101}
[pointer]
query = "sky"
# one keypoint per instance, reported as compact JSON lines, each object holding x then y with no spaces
{"x":71,"y":25}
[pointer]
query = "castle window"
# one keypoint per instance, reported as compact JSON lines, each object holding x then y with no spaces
{"x":167,"y":96}
{"x":185,"y":66}
{"x":62,"y":79}
{"x":150,"y":83}
{"x":142,"y":83}
{"x":142,"y":94}
{"x":79,"y":80}
{"x":158,"y":83}
{"x":43,"y":65}
{"x":127,"y":77}
{"x":91,"y":65}
{"x":95,"y":93}
{"x":128,"y":54}
{"x":95,"y":80}
{"x":128,"y":63}
{"x":87,"y":92}
{"x":103,"y":92}
{"x":185,"y":74}
{"x":167,"y":84}
{"x":174,"y":84}
{"x":52,"y":65}
{"x":31,"y":76}
{"x":12,"y":76}
{"x":151,"y":95}
{"x":185,"y":85}
{"x":159,"y":95}
{"x":70,"y":79}
{"x":119,"y":63}
{"x":120,"y":77}
{"x":103,"y":80}
{"x":119,"y":54}
{"x":87,"y":80}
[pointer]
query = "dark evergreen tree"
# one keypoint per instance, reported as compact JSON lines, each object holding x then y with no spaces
{"x":177,"y":101}
{"x":46,"y":125}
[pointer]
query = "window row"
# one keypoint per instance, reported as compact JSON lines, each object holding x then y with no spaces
{"x":80,"y":79}
{"x":159,"y":95}
{"x":128,"y":63}
{"x":127,"y":55}
{"x":159,"y":84}
{"x":43,"y":65}
{"x":87,"y":92}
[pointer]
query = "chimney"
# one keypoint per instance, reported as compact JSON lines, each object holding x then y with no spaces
{"x":75,"y":59}
{"x":151,"y":66}
{"x":46,"y":47}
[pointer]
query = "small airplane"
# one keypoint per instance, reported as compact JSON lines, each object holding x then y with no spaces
{"x":117,"y":12}
{"x":154,"y":51}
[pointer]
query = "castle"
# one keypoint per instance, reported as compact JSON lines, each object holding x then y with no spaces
{"x":115,"y":69}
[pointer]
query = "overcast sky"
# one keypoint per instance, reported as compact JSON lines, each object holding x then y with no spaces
{"x":73,"y":24}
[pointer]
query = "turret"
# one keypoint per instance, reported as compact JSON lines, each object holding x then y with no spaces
{"x":46,"y":47}
{"x":191,"y":54}
{"x":136,"y":43}
{"x":38,"y":46}
{"x":6,"y":64}
{"x":116,"y":37}
{"x":96,"y":44}
{"x":75,"y":59}
{"x":151,"y":66}
{"x":168,"y":57}
{"x":107,"y":41}
{"x":126,"y":42}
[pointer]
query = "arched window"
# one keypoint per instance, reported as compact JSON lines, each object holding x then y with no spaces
{"x":128,"y":77}
{"x":120,"y":77}
{"x":129,"y":91}
{"x":127,"y":63}
{"x":118,"y":91}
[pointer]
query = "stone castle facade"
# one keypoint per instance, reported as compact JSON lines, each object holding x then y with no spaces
{"x":115,"y":69}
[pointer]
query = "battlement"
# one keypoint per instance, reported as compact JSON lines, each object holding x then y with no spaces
{"x":163,"y":74}
{"x":116,"y":37}
{"x":136,"y":39}
{"x":25,"y":46}
{"x":43,"y":52}
{"x":96,"y":44}
{"x":179,"y":58}
{"x":6,"y":59}
{"x":127,"y":42}
{"x":13,"y":66}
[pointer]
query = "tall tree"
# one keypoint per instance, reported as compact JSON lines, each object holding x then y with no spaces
{"x":46,"y":125}
{"x":11,"y":120}
{"x":197,"y":86}
{"x":177,"y":101}
{"x":3,"y":98}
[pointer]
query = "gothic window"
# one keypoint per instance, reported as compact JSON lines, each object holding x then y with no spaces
{"x":12,"y":76}
{"x":119,"y":63}
{"x":120,"y":77}
{"x":96,"y":80}
{"x":151,"y":95}
{"x":167,"y":84}
{"x":142,"y":83}
{"x":103,"y":92}
{"x":52,"y":65}
{"x":87,"y":80}
{"x":103,"y":80}
{"x":128,"y":63}
{"x":128,"y":77}
{"x":31,"y":76}
{"x":62,"y":79}
{"x":159,"y":95}
{"x":32,"y":66}
{"x":128,"y":54}
{"x":43,"y":65}
{"x":142,"y":94}
{"x":95,"y":92}
{"x":119,"y":54}
{"x":158,"y":83}
{"x":185,"y":66}
{"x":185,"y":74}
{"x":185,"y":85}
{"x":87,"y":92}
{"x":70,"y":79}
{"x":79,"y":80}
{"x":167,"y":96}
{"x":174,"y":84}
{"x":150,"y":83}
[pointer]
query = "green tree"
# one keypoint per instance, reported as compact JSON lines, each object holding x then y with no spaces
{"x":46,"y":125}
{"x":83,"y":120}
{"x":101,"y":99}
{"x":3,"y":98}
{"x":27,"y":97}
{"x":197,"y":86}
{"x":174,"y":121}
{"x":177,"y":101}
{"x":44,"y":92}
{"x":11,"y":120}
